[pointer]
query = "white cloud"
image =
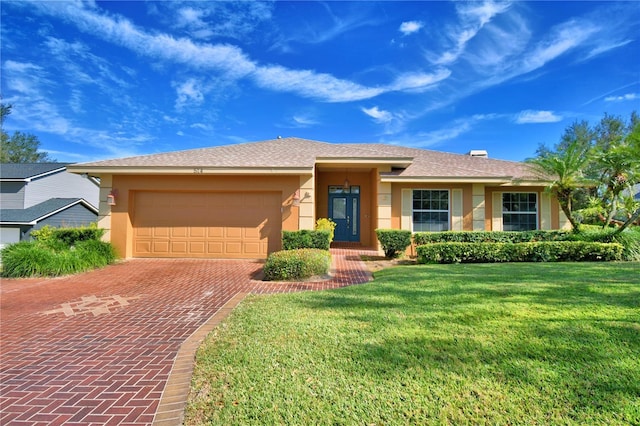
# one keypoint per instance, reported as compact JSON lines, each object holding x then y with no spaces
{"x":410,"y":27}
{"x":310,"y":84}
{"x":33,"y":109}
{"x":625,"y":97}
{"x":473,"y":16}
{"x":228,"y":60}
{"x":418,"y":80}
{"x":379,"y":115}
{"x":563,"y":38}
{"x":605,"y":47}
{"x":208,"y":19}
{"x":447,"y":132}
{"x":303,"y":120}
{"x":201,"y":126}
{"x":188,"y":93}
{"x":531,"y":116}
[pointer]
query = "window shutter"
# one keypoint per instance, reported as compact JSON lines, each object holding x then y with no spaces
{"x":456,"y":209}
{"x":407,"y":210}
{"x":496,"y":214}
{"x":545,"y":211}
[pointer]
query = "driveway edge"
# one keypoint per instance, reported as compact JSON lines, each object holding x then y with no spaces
{"x":174,"y":397}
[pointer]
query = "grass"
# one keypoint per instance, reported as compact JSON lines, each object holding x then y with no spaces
{"x":432,"y":344}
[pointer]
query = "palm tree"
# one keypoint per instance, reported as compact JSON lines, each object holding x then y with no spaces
{"x":564,"y":168}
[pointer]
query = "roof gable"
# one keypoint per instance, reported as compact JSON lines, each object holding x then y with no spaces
{"x":36,"y":213}
{"x":28,"y":171}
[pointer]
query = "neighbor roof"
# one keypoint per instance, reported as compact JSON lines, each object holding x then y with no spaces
{"x":27,"y":171}
{"x":287,"y":153}
{"x":34,"y":214}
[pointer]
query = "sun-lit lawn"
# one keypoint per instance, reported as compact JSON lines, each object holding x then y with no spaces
{"x":435,"y":344}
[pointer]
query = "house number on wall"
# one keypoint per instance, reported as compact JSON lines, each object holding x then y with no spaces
{"x":198,"y":171}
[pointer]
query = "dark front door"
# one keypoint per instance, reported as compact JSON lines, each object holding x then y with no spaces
{"x":344,"y":210}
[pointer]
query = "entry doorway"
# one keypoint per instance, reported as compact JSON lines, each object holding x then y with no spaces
{"x":344,"y":211}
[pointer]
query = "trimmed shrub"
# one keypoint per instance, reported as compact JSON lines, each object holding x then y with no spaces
{"x":542,"y":251}
{"x":324,"y":224}
{"x":421,"y":238}
{"x":629,"y":239}
{"x":305,"y":238}
{"x":68,"y":236}
{"x":393,"y":241}
{"x":296,"y":264}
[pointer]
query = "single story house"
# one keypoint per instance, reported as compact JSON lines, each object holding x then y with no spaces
{"x":234,"y":201}
{"x":33,"y":195}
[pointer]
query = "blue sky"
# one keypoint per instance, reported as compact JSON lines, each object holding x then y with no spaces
{"x":97,"y":80}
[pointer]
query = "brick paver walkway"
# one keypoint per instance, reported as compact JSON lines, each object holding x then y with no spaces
{"x":99,"y":348}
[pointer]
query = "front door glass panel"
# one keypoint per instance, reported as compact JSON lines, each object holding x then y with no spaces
{"x":344,"y":210}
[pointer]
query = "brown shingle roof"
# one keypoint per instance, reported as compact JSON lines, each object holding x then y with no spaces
{"x":303,"y":153}
{"x":429,"y":163}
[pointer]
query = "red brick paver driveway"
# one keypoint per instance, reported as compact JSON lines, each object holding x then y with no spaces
{"x":99,"y":348}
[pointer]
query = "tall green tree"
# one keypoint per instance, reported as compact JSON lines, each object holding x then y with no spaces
{"x":19,"y":147}
{"x":601,"y":161}
{"x":616,"y":158}
{"x":564,"y":166}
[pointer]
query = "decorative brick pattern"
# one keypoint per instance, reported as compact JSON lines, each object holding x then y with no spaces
{"x":116,"y":346}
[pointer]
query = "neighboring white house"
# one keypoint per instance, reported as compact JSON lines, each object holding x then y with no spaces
{"x":37,"y":194}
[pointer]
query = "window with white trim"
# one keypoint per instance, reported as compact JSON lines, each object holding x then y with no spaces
{"x":430,"y":210}
{"x":519,"y":211}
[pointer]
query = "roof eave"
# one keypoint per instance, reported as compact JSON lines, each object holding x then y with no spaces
{"x":402,"y":162}
{"x":445,"y":179}
{"x":189,"y":170}
{"x":492,"y":180}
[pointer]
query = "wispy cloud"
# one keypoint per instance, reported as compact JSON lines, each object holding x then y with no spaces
{"x":621,"y":98}
{"x":531,"y":116}
{"x":563,"y":38}
{"x":34,"y":110}
{"x":418,"y":81}
{"x":304,"y":120}
{"x":448,"y":132}
{"x":207,"y":19}
{"x":230,"y":61}
{"x":379,"y":115}
{"x":188,"y":93}
{"x":328,"y":27}
{"x":312,"y":85}
{"x":410,"y":27}
{"x":605,"y":47}
{"x":473,"y":17}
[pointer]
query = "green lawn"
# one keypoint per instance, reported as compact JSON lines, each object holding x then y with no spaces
{"x":554,"y":343}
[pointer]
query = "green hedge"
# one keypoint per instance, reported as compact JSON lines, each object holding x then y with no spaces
{"x":297,"y":264}
{"x":316,"y":239}
{"x":393,"y":241}
{"x":421,"y":238}
{"x":543,"y":251}
{"x":629,"y":238}
{"x":34,"y":258}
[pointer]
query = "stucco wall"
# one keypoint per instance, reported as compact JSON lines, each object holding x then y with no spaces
{"x":120,"y":217}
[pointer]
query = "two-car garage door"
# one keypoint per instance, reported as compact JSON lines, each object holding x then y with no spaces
{"x":206,"y":224}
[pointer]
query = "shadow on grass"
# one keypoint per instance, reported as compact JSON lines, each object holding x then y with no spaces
{"x":573,"y":329}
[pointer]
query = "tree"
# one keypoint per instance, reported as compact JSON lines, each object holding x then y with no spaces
{"x":602,"y":162}
{"x":565,"y":167}
{"x":19,"y":147}
{"x":616,"y":158}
